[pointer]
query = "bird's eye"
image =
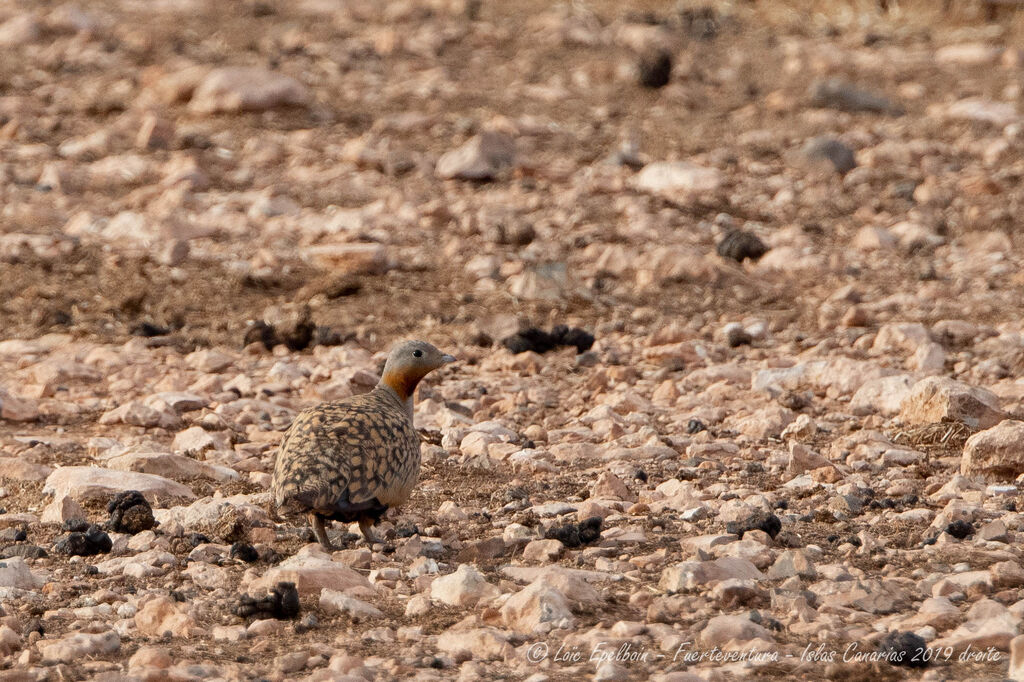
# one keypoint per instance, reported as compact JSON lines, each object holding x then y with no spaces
{"x":417,"y":353}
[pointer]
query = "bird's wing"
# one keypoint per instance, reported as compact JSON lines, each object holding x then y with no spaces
{"x":311,"y":469}
{"x":343,"y":455}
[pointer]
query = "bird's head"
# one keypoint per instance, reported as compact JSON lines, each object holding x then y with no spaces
{"x":409,"y":362}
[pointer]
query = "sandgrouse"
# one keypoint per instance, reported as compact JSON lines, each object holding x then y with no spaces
{"x":352,"y":459}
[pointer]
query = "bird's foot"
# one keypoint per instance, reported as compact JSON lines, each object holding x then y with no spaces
{"x":320,"y":531}
{"x":366,"y":528}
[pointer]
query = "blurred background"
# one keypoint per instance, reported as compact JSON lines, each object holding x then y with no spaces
{"x":182,"y":169}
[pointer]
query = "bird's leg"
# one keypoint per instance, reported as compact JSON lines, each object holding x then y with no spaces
{"x":365,"y":526}
{"x":320,"y":531}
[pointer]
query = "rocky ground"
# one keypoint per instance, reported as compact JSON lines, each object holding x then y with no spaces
{"x":791,"y":452}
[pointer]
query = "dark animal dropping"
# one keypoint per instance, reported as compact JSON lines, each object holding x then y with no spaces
{"x":282,"y":603}
{"x":93,"y":541}
{"x":577,"y":534}
{"x":130,"y":513}
{"x":904,"y":649}
{"x":739,"y":246}
{"x":243,"y":551}
{"x":540,"y":341}
{"x":655,"y":68}
{"x":760,"y":520}
{"x":960,"y":529}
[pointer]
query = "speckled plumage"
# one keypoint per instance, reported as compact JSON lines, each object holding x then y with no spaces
{"x":350,"y":460}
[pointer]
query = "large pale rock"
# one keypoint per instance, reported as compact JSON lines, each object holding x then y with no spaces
{"x":465,"y":587}
{"x":178,"y":401}
{"x":242,"y":88}
{"x":537,"y":607}
{"x":882,"y":396}
{"x":481,"y":158}
{"x":21,"y":29}
{"x":209,"y":511}
{"x":94,"y":483}
{"x":333,"y":602}
{"x":74,"y":648}
{"x":349,"y":258}
{"x":940,"y":399}
{"x":209,"y":360}
{"x":690,"y":574}
{"x":169,"y":465}
{"x":543,"y":551}
{"x":137,"y":413}
{"x":721,"y":630}
{"x":996,"y":627}
{"x":968,"y":54}
{"x":162,"y":615}
{"x":677,"y":179}
{"x":1016,"y":671}
{"x":610,"y":487}
{"x":20,"y":469}
{"x":311,"y":575}
{"x":488,"y":644}
{"x":16,"y":409}
{"x":10,"y":641}
{"x":996,"y":453}
{"x":14,"y":572}
{"x":802,"y":459}
{"x":873,"y":596}
{"x":63,"y":509}
{"x":983,"y":110}
{"x":836,"y":376}
{"x":903,"y":336}
{"x":195,"y":440}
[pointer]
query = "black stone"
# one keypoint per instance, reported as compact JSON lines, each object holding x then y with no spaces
{"x":654,"y":68}
{"x":130,"y":513}
{"x":759,"y":520}
{"x":148,"y":329}
{"x":831,"y":151}
{"x":13,"y":535}
{"x":695,"y":426}
{"x":903,"y":649}
{"x":406,"y":529}
{"x":577,"y":534}
{"x":960,"y":529}
{"x":92,"y":541}
{"x":196,"y":539}
{"x":282,"y":603}
{"x":243,"y":551}
{"x":739,"y":246}
{"x":835,"y":93}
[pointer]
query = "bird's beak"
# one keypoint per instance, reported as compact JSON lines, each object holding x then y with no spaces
{"x":448,"y":358}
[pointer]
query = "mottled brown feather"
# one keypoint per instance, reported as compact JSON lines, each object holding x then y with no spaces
{"x":343,"y":454}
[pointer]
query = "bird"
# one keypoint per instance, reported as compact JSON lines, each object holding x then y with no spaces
{"x":353,"y":459}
